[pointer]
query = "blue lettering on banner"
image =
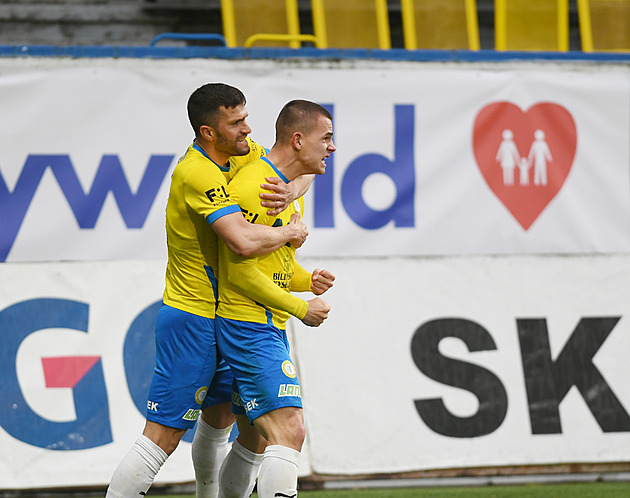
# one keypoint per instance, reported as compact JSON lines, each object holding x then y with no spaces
{"x":86,"y":207}
{"x":324,"y":188}
{"x":92,"y":427}
{"x":134,"y":208}
{"x":401,"y":170}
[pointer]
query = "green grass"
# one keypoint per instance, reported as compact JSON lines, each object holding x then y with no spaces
{"x":579,"y":490}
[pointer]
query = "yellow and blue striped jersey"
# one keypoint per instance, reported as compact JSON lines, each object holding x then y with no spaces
{"x":198,"y":196}
{"x":259,"y":289}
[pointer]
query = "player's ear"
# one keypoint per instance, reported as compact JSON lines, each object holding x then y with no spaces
{"x":296,"y":140}
{"x":207,"y":132}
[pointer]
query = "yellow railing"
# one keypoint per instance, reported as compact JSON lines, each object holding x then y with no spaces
{"x":382,"y":23}
{"x":501,"y":28}
{"x":283,"y":38}
{"x":410,"y":35}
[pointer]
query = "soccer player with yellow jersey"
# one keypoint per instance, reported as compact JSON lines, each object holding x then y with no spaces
{"x":187,"y":379}
{"x":255,"y":301}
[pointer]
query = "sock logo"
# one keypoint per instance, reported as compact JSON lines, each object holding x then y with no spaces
{"x":286,"y":496}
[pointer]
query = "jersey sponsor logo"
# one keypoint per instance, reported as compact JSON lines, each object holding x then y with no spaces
{"x":282,"y":276}
{"x":287,"y":264}
{"x":218,"y":195}
{"x":283,"y":280}
{"x":200,"y":395}
{"x":290,"y":390}
{"x":191,"y":414}
{"x":289,"y":370}
{"x":250,"y":216}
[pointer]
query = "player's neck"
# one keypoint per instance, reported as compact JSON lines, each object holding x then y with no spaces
{"x":285,"y":163}
{"x":219,"y":158}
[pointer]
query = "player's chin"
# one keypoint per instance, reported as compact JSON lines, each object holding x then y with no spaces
{"x":243,"y":147}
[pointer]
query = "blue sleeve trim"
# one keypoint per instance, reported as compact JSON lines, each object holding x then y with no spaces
{"x":220,"y":213}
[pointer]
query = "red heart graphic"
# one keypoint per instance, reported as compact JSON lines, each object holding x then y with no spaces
{"x":525,"y":157}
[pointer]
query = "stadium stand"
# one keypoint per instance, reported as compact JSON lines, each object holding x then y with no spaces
{"x":604,"y":25}
{"x":532,"y":25}
{"x":138,"y":22}
{"x":330,"y":19}
{"x":443,"y":24}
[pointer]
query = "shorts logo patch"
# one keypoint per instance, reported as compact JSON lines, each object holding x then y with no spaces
{"x":250,"y":405}
{"x":289,"y":370}
{"x":236,"y":399}
{"x":152,"y":406}
{"x":290,"y":390}
{"x":191,"y":414}
{"x":200,"y":395}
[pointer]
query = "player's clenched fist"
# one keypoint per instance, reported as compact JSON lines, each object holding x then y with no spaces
{"x":317,"y":312}
{"x":321,"y":281}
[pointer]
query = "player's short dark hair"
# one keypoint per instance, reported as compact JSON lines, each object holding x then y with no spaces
{"x":205,"y":102}
{"x":298,"y":115}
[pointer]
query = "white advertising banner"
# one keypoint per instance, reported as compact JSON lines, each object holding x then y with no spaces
{"x":432,"y":158}
{"x":429,"y":363}
{"x":76,"y":363}
{"x":424,"y":363}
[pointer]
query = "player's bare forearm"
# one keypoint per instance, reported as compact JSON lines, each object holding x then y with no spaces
{"x":248,"y":239}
